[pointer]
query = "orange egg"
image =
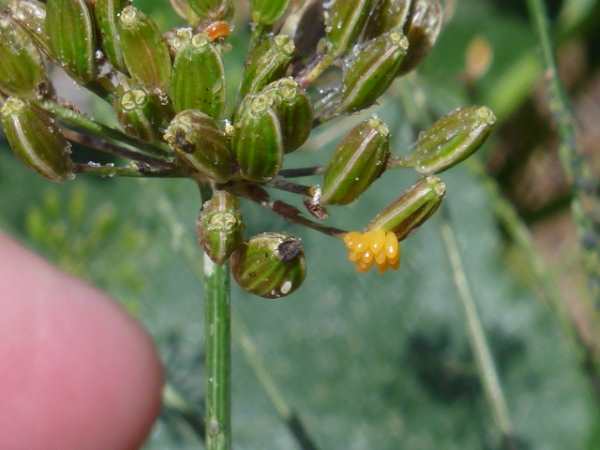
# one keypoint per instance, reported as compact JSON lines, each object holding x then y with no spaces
{"x":218,"y":30}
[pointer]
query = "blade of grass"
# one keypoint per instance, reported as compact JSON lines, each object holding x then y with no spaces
{"x":585,"y":186}
{"x":477,"y":338}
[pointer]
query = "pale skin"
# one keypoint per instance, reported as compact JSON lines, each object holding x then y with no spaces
{"x":76,"y":372}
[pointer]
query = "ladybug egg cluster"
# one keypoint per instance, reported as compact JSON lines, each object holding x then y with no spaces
{"x":376,"y":247}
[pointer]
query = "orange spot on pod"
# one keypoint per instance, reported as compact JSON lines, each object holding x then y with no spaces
{"x":218,"y":30}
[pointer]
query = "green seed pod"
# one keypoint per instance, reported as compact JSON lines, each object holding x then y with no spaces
{"x":107,"y":14}
{"x":452,"y":139}
{"x":185,"y":11}
{"x":412,"y":209}
{"x":294,"y":111}
{"x":201,"y":145}
{"x":35,"y":139}
{"x":344,"y":22}
{"x":220,"y":226}
{"x":71,"y":32}
{"x":388,"y":15}
{"x":258,"y":140}
{"x":198,"y":80}
{"x":177,"y":38}
{"x":213,"y":10}
{"x":372,"y":71}
{"x":145,"y":52}
{"x":358,"y":161}
{"x":267,"y":12}
{"x":31,"y":16}
{"x":21,"y":67}
{"x":422,"y":29}
{"x":268,"y":62}
{"x":142,"y":115}
{"x":270,"y":265}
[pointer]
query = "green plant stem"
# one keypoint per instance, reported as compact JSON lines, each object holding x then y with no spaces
{"x":77,"y":120}
{"x":217,"y":344}
{"x":129,"y":171}
{"x":585,"y":186}
{"x":477,"y":338}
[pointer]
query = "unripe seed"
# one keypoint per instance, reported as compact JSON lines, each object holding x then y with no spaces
{"x":200,"y":144}
{"x":372,"y":71}
{"x":145,"y":52}
{"x":358,"y":161}
{"x":452,"y":139}
{"x":21,"y":67}
{"x":142,"y":114}
{"x":72,"y":37}
{"x":258,"y":139}
{"x":388,"y":15}
{"x":268,"y":62}
{"x":198,"y":80}
{"x":220,"y":226}
{"x":213,"y":10}
{"x":36,"y":140}
{"x":422,"y":30}
{"x":412,"y":209}
{"x":107,"y":14}
{"x":344,"y":22}
{"x":270,"y":265}
{"x":31,"y":16}
{"x":294,"y":111}
{"x":267,"y":12}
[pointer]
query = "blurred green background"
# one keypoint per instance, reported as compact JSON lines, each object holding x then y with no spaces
{"x":370,"y":361}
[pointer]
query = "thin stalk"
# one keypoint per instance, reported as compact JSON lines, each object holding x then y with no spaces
{"x":291,"y":419}
{"x":130,"y":171}
{"x":217,"y":343}
{"x":301,"y":172}
{"x":282,"y":184}
{"x":585,"y":186}
{"x":77,"y":120}
{"x":477,"y":338}
{"x":113,"y":149}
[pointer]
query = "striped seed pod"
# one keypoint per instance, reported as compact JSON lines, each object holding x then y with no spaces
{"x":198,"y":80}
{"x":270,"y":265}
{"x":31,"y":16}
{"x":178,"y":38}
{"x":422,"y":30}
{"x":145,"y":53}
{"x":258,"y":140}
{"x":387,"y":15}
{"x":371,"y":72}
{"x":72,"y":37}
{"x":36,"y":140}
{"x":213,"y":10}
{"x":268,"y":62}
{"x":358,"y":161}
{"x":220,"y":226}
{"x":344,"y":22}
{"x":412,"y":209}
{"x":142,"y":115}
{"x":201,"y":145}
{"x":21,"y":67}
{"x":267,"y":12}
{"x":294,"y":111}
{"x":106,"y":13}
{"x":452,"y":139}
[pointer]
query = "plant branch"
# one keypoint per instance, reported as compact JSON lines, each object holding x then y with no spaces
{"x":585,"y":186}
{"x":133,"y":170}
{"x":301,"y":172}
{"x":81,"y":122}
{"x":477,"y":338}
{"x":113,"y":149}
{"x":217,"y":342}
{"x":288,"y":186}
